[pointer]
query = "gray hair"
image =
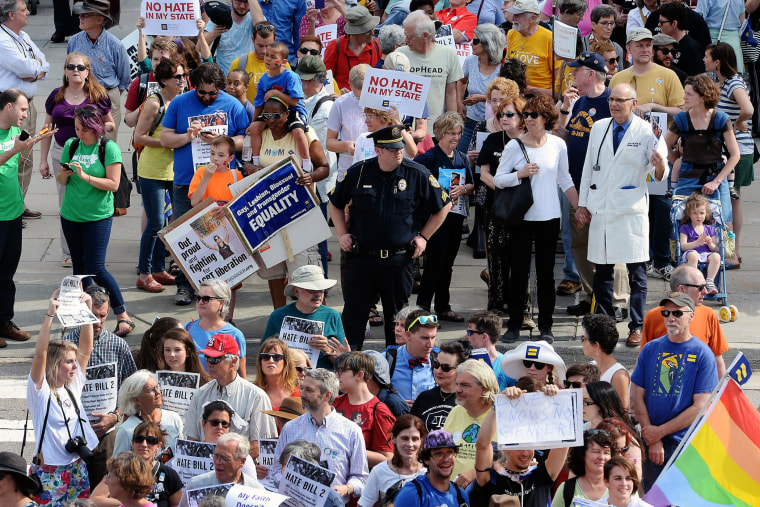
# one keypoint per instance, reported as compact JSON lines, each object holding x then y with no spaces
{"x":484,"y":376}
{"x":99,"y":298}
{"x":320,"y":77}
{"x":573,"y":6}
{"x":212,"y":500}
{"x":221,"y":290}
{"x":132,"y":388}
{"x":493,"y":41}
{"x":243,"y":445}
{"x":603,"y":11}
{"x":356,"y":75}
{"x":6,"y":7}
{"x":600,"y":76}
{"x":327,"y":379}
{"x":449,"y":120}
{"x":402,"y":314}
{"x":390,"y":37}
{"x":307,"y":451}
{"x":683,"y":275}
{"x":421,"y":24}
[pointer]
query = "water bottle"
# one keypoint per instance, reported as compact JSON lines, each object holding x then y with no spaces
{"x":247,"y":150}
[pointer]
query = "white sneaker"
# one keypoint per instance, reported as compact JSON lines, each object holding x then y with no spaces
{"x":710,"y":286}
{"x":663,"y":272}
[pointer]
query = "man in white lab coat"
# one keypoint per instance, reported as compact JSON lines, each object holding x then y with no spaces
{"x":614,"y":201}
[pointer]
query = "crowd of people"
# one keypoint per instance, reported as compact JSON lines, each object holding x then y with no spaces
{"x":587,"y":151}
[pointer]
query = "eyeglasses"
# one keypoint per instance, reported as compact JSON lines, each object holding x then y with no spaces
{"x":313,"y":52}
{"x":676,"y":313}
{"x":475,"y":41}
{"x":206,"y":299}
{"x":218,"y":422}
{"x":272,"y":357}
{"x":664,"y":21}
{"x":454,"y":134}
{"x":85,"y":112}
{"x":272,"y":116}
{"x":179,"y":77}
{"x":215,"y":360}
{"x":700,"y":288}
{"x":80,"y":68}
{"x":155,"y":391}
{"x":424,"y":320}
{"x":261,"y":27}
{"x":471,"y":332}
{"x":587,"y":403}
{"x":531,"y":114}
{"x":608,"y":24}
{"x":219,"y":457}
{"x":212,"y":93}
{"x":139,"y":439}
{"x":596,"y":431}
{"x":508,"y":114}
{"x":613,"y":60}
{"x":574,"y":385}
{"x":445,"y":367}
{"x":615,"y":100}
{"x":528,"y":363}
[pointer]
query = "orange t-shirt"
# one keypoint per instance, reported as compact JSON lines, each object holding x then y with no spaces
{"x":218,"y":186}
{"x":705,"y":326}
{"x":460,"y":19}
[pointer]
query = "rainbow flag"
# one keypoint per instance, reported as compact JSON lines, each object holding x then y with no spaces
{"x":720,"y":464}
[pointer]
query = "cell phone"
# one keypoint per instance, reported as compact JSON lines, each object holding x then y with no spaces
{"x":165,"y":456}
{"x":24,"y":135}
{"x":66,"y":166}
{"x":319,"y":4}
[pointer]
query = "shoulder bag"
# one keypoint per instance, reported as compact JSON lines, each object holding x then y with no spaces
{"x":511,"y":203}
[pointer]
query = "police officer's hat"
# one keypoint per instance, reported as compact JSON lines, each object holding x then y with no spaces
{"x":388,"y":137}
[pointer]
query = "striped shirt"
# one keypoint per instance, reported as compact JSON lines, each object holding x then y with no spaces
{"x":729,"y":105}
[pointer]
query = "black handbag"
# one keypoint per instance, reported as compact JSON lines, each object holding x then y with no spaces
{"x":511,"y":203}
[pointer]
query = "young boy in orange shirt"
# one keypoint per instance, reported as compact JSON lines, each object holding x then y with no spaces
{"x":214,"y":179}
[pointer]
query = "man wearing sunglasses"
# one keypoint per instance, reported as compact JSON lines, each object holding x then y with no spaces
{"x":672,"y":381}
{"x":483,"y":331}
{"x":247,"y":400}
{"x":705,"y":326}
{"x":695,"y":25}
{"x":664,"y":50}
{"x":673,"y":21}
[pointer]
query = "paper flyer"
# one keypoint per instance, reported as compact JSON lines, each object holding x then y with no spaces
{"x":306,"y":484}
{"x":73,"y":312}
{"x":449,"y":178}
{"x":192,"y":458}
{"x":194,"y":496}
{"x":297,"y":333}
{"x":216,"y":122}
{"x":100,"y":390}
{"x":178,"y":389}
{"x":266,"y":458}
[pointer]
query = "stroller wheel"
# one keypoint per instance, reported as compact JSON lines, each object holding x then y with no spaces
{"x":734,"y":312}
{"x":724,"y":314}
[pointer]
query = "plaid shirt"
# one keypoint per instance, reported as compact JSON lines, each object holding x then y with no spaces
{"x":108,"y":348}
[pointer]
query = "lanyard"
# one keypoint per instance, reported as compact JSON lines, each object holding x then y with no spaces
{"x":63,"y":413}
{"x":19,"y":45}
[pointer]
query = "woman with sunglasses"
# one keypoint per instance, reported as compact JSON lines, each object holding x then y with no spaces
{"x":547,"y":169}
{"x":534,"y":359}
{"x":177,"y":353}
{"x":148,"y":441}
{"x":140,"y":400}
{"x":88,"y":204}
{"x":587,"y":464}
{"x":212,"y":303}
{"x":155,"y":170}
{"x":600,"y":337}
{"x":301,"y":362}
{"x":275,"y":371}
{"x":628,"y":441}
{"x":434,"y":405}
{"x":216,"y":421}
{"x":79,"y":88}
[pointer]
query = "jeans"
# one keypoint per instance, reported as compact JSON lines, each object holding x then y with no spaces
{"x":568,"y":268}
{"x":659,"y":230}
{"x":10,"y":254}
{"x":323,"y":244}
{"x":649,"y":470}
{"x":181,"y":205}
{"x":88,"y":243}
{"x":604,"y":278}
{"x":470,"y":127}
{"x":687,"y":186}
{"x":152,"y":250}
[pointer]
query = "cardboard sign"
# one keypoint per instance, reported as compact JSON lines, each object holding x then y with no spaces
{"x":243,"y":496}
{"x":178,"y":389}
{"x":170,"y":17}
{"x":565,"y":39}
{"x":192,"y":458}
{"x":326,"y":33}
{"x":100,"y":390}
{"x":305,"y":483}
{"x":538,"y":421}
{"x":385,"y":88}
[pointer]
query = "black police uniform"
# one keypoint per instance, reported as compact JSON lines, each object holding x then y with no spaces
{"x":387,"y":211}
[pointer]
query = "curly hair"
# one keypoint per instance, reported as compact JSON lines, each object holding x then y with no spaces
{"x":192,"y":360}
{"x":576,"y":459}
{"x":706,"y":88}
{"x":208,"y":73}
{"x":288,"y":376}
{"x":601,"y":329}
{"x":544,"y":106}
{"x":150,"y":354}
{"x":621,"y":427}
{"x":693,"y":202}
{"x":133,"y":474}
{"x":516,"y":70}
{"x":506,"y":86}
{"x":517,"y":103}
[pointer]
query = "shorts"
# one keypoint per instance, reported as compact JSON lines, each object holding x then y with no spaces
{"x":744,"y":172}
{"x":62,"y":483}
{"x":702,"y":256}
{"x":309,"y":257}
{"x":295,"y":121}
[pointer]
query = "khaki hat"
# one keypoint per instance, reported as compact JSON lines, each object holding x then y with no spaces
{"x":308,"y":277}
{"x":397,"y":61}
{"x":359,"y":20}
{"x":662,"y":40}
{"x":679,"y":299}
{"x":638,"y":34}
{"x":521,"y":6}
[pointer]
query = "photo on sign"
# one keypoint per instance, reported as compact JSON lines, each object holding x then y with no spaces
{"x":179,"y":379}
{"x":194,"y":448}
{"x":101,"y":372}
{"x":267,"y":446}
{"x":310,"y":471}
{"x":194,"y":496}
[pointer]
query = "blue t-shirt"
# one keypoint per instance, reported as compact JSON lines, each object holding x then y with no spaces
{"x":288,"y":83}
{"x":671,"y":374}
{"x":201,"y":338}
{"x":503,"y":379}
{"x":431,"y":497}
{"x":584,"y":113}
{"x":410,"y":383}
{"x":186,"y":106}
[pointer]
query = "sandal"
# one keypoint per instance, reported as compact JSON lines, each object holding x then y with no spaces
{"x":123,"y":334}
{"x":451,"y":316}
{"x":375,"y":319}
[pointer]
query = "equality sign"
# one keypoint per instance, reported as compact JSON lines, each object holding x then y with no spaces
{"x":170,"y":17}
{"x":385,"y":88}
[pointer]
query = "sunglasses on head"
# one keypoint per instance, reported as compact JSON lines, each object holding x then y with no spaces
{"x":272,"y":116}
{"x":80,"y":68}
{"x":597,"y":432}
{"x":508,"y":114}
{"x":676,"y":313}
{"x":261,"y":27}
{"x":139,"y":439}
{"x":424,"y":320}
{"x":212,"y":93}
{"x":206,"y":299}
{"x":531,"y":114}
{"x":85,"y":112}
{"x":445,"y":367}
{"x":313,"y":52}
{"x":265,"y":356}
{"x":214,"y":360}
{"x":574,"y":385}
{"x":666,"y":51}
{"x":528,"y":363}
{"x":218,"y":422}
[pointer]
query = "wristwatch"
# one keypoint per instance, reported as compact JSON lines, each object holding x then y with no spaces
{"x":119,"y":416}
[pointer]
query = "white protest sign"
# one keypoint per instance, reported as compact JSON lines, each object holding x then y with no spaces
{"x":303,"y":233}
{"x":130,"y":44}
{"x":565,"y":38}
{"x":659,"y":122}
{"x":297,"y":333}
{"x":217,"y":123}
{"x":480,"y":139}
{"x":326,"y":33}
{"x":73,"y":312}
{"x":170,"y":17}
{"x":538,"y":421}
{"x":194,"y":496}
{"x":384,"y":88}
{"x":243,"y":496}
{"x":266,"y":458}
{"x":178,"y":389}
{"x":192,"y":458}
{"x":100,"y":390}
{"x":306,"y":484}
{"x":463,"y":51}
{"x":445,"y":36}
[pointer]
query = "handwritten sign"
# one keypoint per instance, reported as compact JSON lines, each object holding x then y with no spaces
{"x":178,"y":389}
{"x":243,"y":496}
{"x":326,"y":33}
{"x":170,"y":17}
{"x":305,"y":483}
{"x":266,"y":458}
{"x":100,"y":390}
{"x":385,"y":88}
{"x":192,"y":458}
{"x":297,"y":333}
{"x":565,"y":39}
{"x":537,"y":421}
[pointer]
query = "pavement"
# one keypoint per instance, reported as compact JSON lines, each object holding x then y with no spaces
{"x":40,"y":273}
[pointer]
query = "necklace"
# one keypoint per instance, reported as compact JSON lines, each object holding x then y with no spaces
{"x":445,"y":398}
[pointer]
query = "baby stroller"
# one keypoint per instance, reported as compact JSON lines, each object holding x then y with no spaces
{"x":726,"y":313}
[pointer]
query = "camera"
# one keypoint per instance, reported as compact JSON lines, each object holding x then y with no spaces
{"x":78,"y":445}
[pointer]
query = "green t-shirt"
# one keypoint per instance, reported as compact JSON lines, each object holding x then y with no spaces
{"x":83,"y":202}
{"x":12,"y":201}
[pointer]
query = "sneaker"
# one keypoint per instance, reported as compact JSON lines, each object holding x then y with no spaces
{"x":546,"y":335}
{"x":579,"y":310}
{"x":649,"y":268}
{"x":528,"y":324}
{"x":11,"y":331}
{"x":511,"y":336}
{"x":568,"y":288}
{"x":710,"y":286}
{"x":734,"y":193}
{"x":621,"y":314}
{"x":663,"y":272}
{"x":183,"y":297}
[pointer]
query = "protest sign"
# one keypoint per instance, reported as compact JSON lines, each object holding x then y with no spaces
{"x":130,"y":43}
{"x":538,"y":421}
{"x":306,"y":484}
{"x":266,"y":458}
{"x":565,"y":39}
{"x":244,"y":496}
{"x":192,"y":458}
{"x":100,"y":390}
{"x":445,"y":36}
{"x":170,"y":17}
{"x":301,"y":234}
{"x":659,"y":123}
{"x":326,"y":33}
{"x":206,"y":246}
{"x":449,"y":178}
{"x":215,"y":122}
{"x":481,"y":355}
{"x":385,"y":88}
{"x":464,"y":49}
{"x":194,"y":496}
{"x":73,"y":312}
{"x":178,"y":389}
{"x":480,"y":139}
{"x":297,"y":333}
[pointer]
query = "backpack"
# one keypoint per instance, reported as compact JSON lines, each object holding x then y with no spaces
{"x":460,"y":496}
{"x":159,"y":117}
{"x":568,"y":491}
{"x":326,"y":98}
{"x":121,"y":198}
{"x":705,"y":147}
{"x":391,"y":355}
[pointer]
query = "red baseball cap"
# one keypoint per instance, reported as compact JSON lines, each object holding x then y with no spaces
{"x":221,"y":344}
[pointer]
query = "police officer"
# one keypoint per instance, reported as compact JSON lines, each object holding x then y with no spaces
{"x":396,"y":205}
